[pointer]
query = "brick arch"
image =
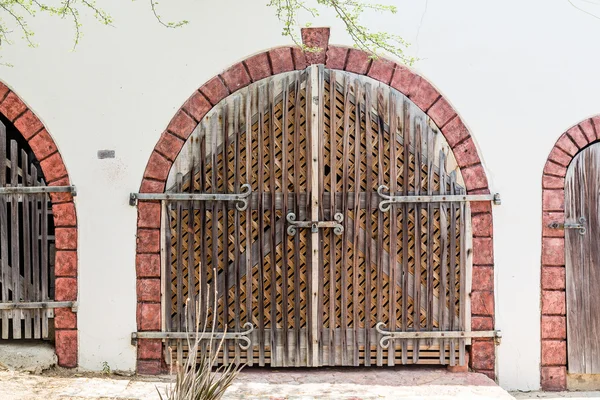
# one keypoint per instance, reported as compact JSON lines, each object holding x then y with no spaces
{"x":553,"y":278}
{"x":285,"y":59}
{"x":65,"y":219}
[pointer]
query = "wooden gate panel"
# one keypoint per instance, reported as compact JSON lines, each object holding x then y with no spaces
{"x":582,"y":200}
{"x":319,"y":298}
{"x":26,"y":246}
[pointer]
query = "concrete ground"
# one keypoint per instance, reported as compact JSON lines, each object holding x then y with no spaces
{"x":397,"y":383}
{"x":557,"y":395}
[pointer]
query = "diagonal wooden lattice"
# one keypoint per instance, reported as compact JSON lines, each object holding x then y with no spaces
{"x":404,"y":267}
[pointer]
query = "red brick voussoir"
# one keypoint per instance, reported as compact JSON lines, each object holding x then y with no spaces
{"x":553,"y":373}
{"x":65,"y":219}
{"x":285,"y":59}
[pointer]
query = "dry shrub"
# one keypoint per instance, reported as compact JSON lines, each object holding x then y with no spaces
{"x":199,"y":378}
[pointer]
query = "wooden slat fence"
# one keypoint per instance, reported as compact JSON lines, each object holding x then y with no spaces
{"x":26,"y":246}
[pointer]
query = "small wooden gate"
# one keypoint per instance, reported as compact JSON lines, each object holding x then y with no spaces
{"x":582,"y":230}
{"x":327,"y":210}
{"x":26,"y":245}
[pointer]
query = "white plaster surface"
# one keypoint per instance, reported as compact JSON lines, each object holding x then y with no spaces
{"x":518,"y":72}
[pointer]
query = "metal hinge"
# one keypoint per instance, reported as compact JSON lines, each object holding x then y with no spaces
{"x":40,"y":305}
{"x":570,"y":225}
{"x":384,"y":341}
{"x":240,"y":199}
{"x":388,"y":200}
{"x":242,"y":336}
{"x":315,"y":225}
{"x":37,"y":189}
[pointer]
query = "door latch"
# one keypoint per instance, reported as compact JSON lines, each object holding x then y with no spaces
{"x":315,"y":225}
{"x":570,"y":225}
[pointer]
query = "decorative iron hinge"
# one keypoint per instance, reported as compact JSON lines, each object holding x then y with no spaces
{"x":240,"y":199}
{"x":39,"y":305}
{"x":388,"y":200}
{"x":242,"y":336}
{"x":6,"y":190}
{"x":315,"y":225}
{"x":570,"y":225}
{"x":384,"y":341}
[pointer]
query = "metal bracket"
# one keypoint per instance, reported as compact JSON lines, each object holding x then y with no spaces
{"x":570,"y":225}
{"x":40,"y":305}
{"x":388,"y":200}
{"x":384,"y":341}
{"x":240,"y":199}
{"x":242,"y":336}
{"x":37,"y":189}
{"x":315,"y":225}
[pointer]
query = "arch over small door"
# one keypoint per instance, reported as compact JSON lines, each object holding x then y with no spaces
{"x":281,"y":60}
{"x":38,"y":233}
{"x":562,"y":203}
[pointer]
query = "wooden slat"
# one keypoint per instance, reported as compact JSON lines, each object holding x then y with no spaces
{"x":179,"y":322}
{"x":6,"y":274}
{"x":380,"y":233}
{"x":236,"y":221}
{"x":332,"y":210}
{"x":319,"y":139}
{"x":315,"y":98}
{"x":284,"y":188}
{"x":15,"y":241}
{"x":261,"y":228}
{"x":452,"y":260}
{"x":27,"y":286}
{"x":406,"y":129}
{"x":345,"y":236}
{"x":191,"y":262}
{"x":368,"y":220}
{"x":35,"y":246}
{"x":273,"y":217}
{"x":417,"y":268}
{"x":297,"y":168}
{"x":249,"y":179}
{"x":442,"y":315}
{"x":462,"y":288}
{"x":223,"y":284}
{"x":430,"y":232}
{"x":44,"y":264}
{"x":355,"y":252}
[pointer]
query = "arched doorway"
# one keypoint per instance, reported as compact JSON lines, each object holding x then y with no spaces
{"x":38,"y":234}
{"x":455,"y":138}
{"x":563,"y":350}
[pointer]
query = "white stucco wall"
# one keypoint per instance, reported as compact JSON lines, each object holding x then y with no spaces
{"x":519,"y":73}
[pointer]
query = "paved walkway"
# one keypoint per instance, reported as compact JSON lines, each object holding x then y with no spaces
{"x":397,"y":383}
{"x":557,"y":395}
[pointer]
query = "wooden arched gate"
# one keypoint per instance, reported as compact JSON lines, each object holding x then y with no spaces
{"x":327,"y":210}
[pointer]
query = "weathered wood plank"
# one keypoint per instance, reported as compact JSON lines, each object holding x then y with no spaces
{"x":345,"y":236}
{"x":582,"y":199}
{"x":261,"y":222}
{"x":35,"y":245}
{"x":368,"y":233}
{"x":249,"y":179}
{"x":236,"y":221}
{"x":443,"y":314}
{"x":27,"y":286}
{"x":284,"y":187}
{"x":15,"y":240}
{"x":6,"y":274}
{"x":406,"y":129}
